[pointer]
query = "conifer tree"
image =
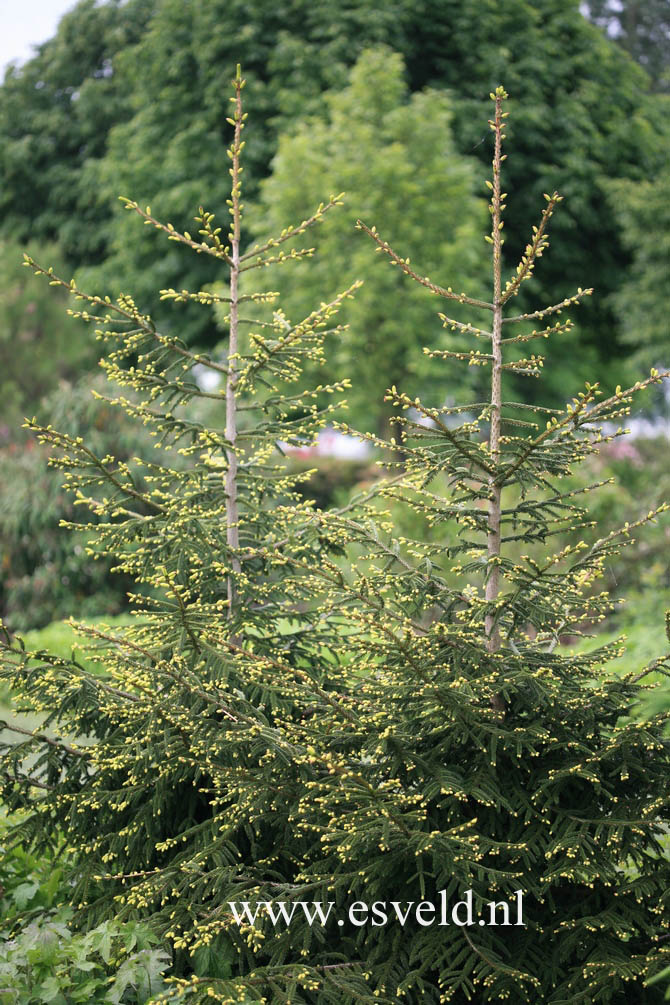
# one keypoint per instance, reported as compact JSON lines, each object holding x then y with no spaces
{"x":205,"y":541}
{"x":499,"y":761}
{"x":420,"y":731}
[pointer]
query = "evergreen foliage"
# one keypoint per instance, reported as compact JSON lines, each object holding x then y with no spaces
{"x":309,"y":709}
{"x":208,"y":540}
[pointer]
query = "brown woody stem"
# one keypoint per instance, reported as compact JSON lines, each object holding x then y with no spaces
{"x":232,"y":512}
{"x":495,"y":489}
{"x":493,"y":580}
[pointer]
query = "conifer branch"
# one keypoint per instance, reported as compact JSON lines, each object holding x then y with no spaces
{"x":533,"y":250}
{"x":20,"y":777}
{"x":43,"y":738}
{"x":403,"y":263}
{"x":125,"y":643}
{"x":558,"y":329}
{"x":554,"y":309}
{"x":217,"y":251}
{"x":129,"y":312}
{"x":265,"y":350}
{"x":57,"y":662}
{"x":464,"y":327}
{"x":471,"y":455}
{"x":296,"y":255}
{"x":48,"y":435}
{"x":264,"y":658}
{"x":289,"y":232}
{"x":195,"y":356}
{"x":577,"y":415}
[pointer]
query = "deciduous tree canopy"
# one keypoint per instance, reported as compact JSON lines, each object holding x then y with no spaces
{"x":395,"y":159}
{"x":131,"y":99}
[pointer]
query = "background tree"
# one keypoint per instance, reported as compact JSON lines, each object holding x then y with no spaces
{"x":291,"y":53}
{"x":642,"y":27}
{"x":641,"y":302}
{"x":55,"y":116}
{"x":39,"y":344}
{"x":393,"y":157}
{"x":581,"y":98}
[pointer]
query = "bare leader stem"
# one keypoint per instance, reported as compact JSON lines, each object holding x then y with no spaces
{"x":232,"y":513}
{"x":495,"y":490}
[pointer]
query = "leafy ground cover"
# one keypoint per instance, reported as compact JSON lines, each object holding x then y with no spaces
{"x":43,"y":959}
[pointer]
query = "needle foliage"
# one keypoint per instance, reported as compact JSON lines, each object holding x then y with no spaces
{"x":313,"y":708}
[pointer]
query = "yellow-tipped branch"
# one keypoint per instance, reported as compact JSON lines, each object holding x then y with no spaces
{"x":403,"y":263}
{"x":555,"y":308}
{"x":289,"y":232}
{"x":533,"y":250}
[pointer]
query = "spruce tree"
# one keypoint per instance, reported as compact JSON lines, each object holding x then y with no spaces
{"x":129,"y":765}
{"x":492,"y":757}
{"x":313,"y":708}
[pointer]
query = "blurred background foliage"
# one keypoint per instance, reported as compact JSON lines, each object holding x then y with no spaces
{"x":47,"y":571}
{"x":39,"y":344}
{"x":395,"y":158}
{"x":384,"y":99}
{"x":132,"y":99}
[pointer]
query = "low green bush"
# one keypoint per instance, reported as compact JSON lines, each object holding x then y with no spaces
{"x":43,"y":960}
{"x":113,"y":964}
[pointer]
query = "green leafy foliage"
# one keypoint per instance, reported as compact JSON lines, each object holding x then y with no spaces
{"x":43,"y":960}
{"x":55,"y":115}
{"x":390,"y":155}
{"x":290,"y":54}
{"x":112,"y":964}
{"x":313,"y":707}
{"x":47,"y":574}
{"x":125,"y":93}
{"x":643,"y":209}
{"x":28,"y":883}
{"x":39,"y":344}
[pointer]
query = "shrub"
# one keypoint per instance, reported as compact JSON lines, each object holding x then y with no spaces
{"x":42,"y":960}
{"x":113,"y":964}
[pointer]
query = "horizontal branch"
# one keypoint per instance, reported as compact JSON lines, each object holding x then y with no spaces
{"x":286,"y":235}
{"x":568,"y":302}
{"x":466,"y":329}
{"x":45,"y":739}
{"x":174,"y":235}
{"x":403,"y":263}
